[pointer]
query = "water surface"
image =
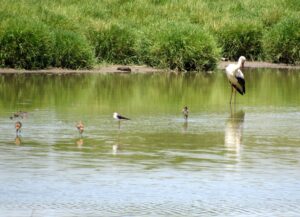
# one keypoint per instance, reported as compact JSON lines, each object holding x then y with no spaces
{"x":225,"y":161}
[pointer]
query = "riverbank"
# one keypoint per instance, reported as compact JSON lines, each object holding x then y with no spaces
{"x":137,"y":69}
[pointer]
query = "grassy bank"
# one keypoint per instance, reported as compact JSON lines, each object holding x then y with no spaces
{"x":183,"y":35}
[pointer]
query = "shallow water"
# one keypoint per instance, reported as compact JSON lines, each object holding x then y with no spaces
{"x":239,"y":161}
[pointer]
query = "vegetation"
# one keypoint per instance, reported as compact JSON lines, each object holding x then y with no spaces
{"x":282,"y":42}
{"x":183,"y":35}
{"x":241,"y":39}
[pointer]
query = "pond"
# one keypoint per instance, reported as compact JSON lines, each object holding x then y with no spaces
{"x":241,"y":160}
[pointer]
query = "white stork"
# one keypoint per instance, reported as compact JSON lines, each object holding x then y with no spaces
{"x":236,"y":77}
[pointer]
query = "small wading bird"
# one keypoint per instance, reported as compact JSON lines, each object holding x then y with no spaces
{"x":185,"y":112}
{"x":236,"y":77}
{"x":18,"y":126}
{"x":19,"y":114}
{"x":119,"y":118}
{"x":80,"y":127}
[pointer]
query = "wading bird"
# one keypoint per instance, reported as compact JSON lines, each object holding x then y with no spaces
{"x":18,"y":126}
{"x":80,"y":127}
{"x":119,"y":118}
{"x":185,"y":112}
{"x":19,"y":114}
{"x":236,"y":77}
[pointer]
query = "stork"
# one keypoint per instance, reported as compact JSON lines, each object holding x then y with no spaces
{"x":236,"y":78}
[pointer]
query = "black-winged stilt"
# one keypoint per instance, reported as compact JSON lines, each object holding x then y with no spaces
{"x":119,"y":117}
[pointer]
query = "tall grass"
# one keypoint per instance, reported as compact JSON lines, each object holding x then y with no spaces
{"x":282,"y":41}
{"x":72,"y":51}
{"x":241,"y":38}
{"x":181,"y":47}
{"x":28,"y":46}
{"x":115,"y":44}
{"x":163,"y":33}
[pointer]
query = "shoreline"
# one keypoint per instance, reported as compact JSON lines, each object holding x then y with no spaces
{"x":107,"y":69}
{"x":258,"y":64}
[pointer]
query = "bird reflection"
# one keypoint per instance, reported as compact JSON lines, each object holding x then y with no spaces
{"x":18,"y":140}
{"x":234,"y":132}
{"x":115,"y":148}
{"x":185,"y":126}
{"x":79,"y":143}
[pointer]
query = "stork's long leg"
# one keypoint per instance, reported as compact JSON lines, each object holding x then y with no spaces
{"x":234,"y":95}
{"x":231,"y":94}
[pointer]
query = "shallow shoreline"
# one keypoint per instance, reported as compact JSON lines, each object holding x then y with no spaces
{"x":96,"y":70}
{"x":257,"y":64}
{"x":137,"y":69}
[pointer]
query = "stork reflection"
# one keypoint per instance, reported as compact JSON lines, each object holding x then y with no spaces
{"x":234,"y":133}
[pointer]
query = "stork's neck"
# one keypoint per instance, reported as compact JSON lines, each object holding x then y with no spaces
{"x":240,"y":63}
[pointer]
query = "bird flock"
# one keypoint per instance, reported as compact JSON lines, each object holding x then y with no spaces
{"x":233,"y":72}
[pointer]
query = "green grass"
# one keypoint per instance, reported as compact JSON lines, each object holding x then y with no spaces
{"x":183,"y":35}
{"x":282,"y":41}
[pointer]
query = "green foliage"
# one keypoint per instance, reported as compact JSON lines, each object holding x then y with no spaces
{"x":181,"y":47}
{"x":31,"y":45}
{"x":115,"y":44}
{"x":72,"y":51}
{"x":165,"y":33}
{"x":26,"y":46}
{"x":282,"y":42}
{"x":241,"y":38}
